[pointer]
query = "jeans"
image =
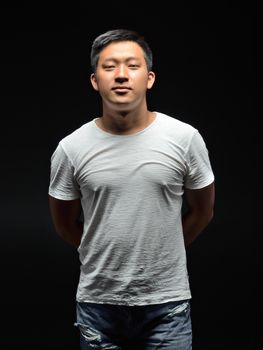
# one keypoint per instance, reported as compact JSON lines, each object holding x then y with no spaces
{"x":150,"y":327}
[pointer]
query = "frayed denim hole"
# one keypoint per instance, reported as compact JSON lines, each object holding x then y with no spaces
{"x":179,"y":309}
{"x":88,"y":333}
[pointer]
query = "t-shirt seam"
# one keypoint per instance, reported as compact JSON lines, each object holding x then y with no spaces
{"x":66,"y":153}
{"x":71,"y":162}
{"x":195,"y":131}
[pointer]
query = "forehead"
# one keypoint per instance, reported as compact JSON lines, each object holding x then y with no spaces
{"x":121,"y":50}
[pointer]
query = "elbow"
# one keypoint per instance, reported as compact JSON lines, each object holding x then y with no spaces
{"x":210,"y":216}
{"x":60,"y":231}
{"x":204,"y":217}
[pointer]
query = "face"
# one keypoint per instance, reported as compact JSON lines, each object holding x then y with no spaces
{"x":122,"y":78}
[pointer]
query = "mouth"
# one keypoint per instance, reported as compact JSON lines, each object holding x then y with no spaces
{"x":121,"y":89}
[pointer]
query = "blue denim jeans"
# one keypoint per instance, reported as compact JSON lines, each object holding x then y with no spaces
{"x":150,"y":327}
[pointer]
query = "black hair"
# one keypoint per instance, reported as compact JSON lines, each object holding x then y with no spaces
{"x":119,"y":35}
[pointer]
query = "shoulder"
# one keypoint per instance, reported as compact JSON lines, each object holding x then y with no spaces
{"x":176,"y":130}
{"x":72,"y":144}
{"x":77,"y":135}
{"x":175,"y":124}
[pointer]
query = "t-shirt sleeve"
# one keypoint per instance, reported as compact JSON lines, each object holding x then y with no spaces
{"x":62,"y":182}
{"x":199,"y":173}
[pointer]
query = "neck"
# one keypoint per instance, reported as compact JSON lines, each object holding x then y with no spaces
{"x":125,"y":122}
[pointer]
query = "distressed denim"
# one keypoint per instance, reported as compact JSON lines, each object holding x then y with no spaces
{"x":151,"y":327}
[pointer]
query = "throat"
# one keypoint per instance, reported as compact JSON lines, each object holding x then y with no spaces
{"x":124,"y":123}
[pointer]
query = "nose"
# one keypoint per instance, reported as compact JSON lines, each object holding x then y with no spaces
{"x":121,"y":74}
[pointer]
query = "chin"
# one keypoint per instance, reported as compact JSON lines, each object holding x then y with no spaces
{"x":121,"y":105}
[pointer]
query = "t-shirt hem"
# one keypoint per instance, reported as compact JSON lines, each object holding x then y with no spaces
{"x":134,"y":302}
{"x":201,"y":185}
{"x":62,"y":197}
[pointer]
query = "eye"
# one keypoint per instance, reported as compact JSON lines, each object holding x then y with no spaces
{"x":133,"y":66}
{"x":109,"y":67}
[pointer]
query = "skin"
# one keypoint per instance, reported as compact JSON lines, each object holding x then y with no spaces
{"x":122,"y":79}
{"x":122,"y":64}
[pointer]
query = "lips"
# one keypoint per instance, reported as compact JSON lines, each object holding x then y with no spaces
{"x":121,"y":88}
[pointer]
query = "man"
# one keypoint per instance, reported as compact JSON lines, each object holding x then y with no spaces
{"x":127,"y":172}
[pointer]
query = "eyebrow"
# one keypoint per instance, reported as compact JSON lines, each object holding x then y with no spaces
{"x":117,"y":60}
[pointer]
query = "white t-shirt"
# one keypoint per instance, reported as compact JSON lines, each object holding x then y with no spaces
{"x":132,"y":250}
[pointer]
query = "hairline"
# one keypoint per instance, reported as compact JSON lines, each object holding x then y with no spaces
{"x":102,"y":41}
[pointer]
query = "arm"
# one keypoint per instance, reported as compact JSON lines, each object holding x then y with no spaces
{"x":200,"y":208}
{"x":65,"y":216}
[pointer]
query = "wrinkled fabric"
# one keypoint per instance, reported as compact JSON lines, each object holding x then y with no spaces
{"x":132,"y":250}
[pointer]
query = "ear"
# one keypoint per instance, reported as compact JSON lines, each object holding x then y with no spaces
{"x":93,"y":81}
{"x":151,"y":79}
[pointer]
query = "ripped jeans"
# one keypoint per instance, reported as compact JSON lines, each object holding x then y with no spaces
{"x":150,"y":327}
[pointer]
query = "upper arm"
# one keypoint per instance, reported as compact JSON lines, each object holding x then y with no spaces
{"x":202,"y":199}
{"x":64,"y":212}
{"x":63,"y":184}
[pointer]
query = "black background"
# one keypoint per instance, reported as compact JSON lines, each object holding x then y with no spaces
{"x":204,"y":76}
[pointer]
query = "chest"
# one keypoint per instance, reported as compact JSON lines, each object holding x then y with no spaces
{"x":134,"y":164}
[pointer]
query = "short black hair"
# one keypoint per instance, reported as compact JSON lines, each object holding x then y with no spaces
{"x":119,"y":35}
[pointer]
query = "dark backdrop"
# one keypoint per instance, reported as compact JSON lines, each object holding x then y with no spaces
{"x":204,"y":67}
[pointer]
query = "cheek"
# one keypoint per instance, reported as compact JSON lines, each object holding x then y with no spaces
{"x":142,"y":80}
{"x":103,"y":84}
{"x":143,"y":83}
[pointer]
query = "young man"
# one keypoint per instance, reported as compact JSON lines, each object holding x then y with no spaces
{"x":127,"y":172}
